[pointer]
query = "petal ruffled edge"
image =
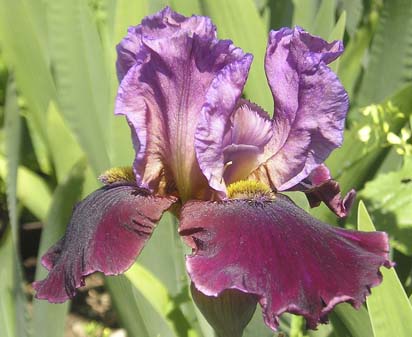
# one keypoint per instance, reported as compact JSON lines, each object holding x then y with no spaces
{"x":276,"y":251}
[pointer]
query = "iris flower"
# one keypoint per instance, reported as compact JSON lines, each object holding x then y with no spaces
{"x":220,"y":163}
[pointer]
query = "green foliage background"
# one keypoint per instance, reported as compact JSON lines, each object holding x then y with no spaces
{"x":58,"y":132}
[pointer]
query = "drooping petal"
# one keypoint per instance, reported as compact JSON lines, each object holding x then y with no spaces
{"x":229,"y":141}
{"x":107,"y":231}
{"x":162,"y":98}
{"x":319,"y":186}
{"x":310,"y":106}
{"x":273,"y":249}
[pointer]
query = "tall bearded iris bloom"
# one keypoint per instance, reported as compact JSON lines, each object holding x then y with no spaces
{"x":220,"y":162}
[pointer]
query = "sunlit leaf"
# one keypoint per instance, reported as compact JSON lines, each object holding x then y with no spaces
{"x":389,"y":199}
{"x":390,"y":61}
{"x":32,"y":191}
{"x":389,"y":308}
{"x":324,"y":19}
{"x":81,"y":77}
{"x":64,"y":148}
{"x":348,"y":322}
{"x":25,"y":53}
{"x":304,"y":13}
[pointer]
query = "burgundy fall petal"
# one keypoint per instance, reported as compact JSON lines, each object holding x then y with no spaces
{"x":273,"y":249}
{"x":310,"y":106}
{"x":319,"y":186}
{"x":181,"y":64}
{"x":108,"y":229}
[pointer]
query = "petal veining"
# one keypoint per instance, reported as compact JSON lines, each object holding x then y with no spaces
{"x":107,"y":231}
{"x":273,"y":249}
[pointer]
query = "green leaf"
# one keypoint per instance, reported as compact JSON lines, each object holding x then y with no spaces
{"x":280,"y":13}
{"x":351,"y":59}
{"x":158,"y":296}
{"x":12,"y":149}
{"x":25,"y":53}
{"x":135,"y":312}
{"x":354,"y":163}
{"x":354,"y":8}
{"x":7,"y":302}
{"x":65,"y":195}
{"x":304,"y":13}
{"x":32,"y":191}
{"x":348,"y":322}
{"x":337,"y":34}
{"x":82,"y":79}
{"x":325,"y":19}
{"x":64,"y":148}
{"x":390,"y":62}
{"x":389,"y":308}
{"x":235,"y":19}
{"x":391,"y":208}
{"x":186,"y":7}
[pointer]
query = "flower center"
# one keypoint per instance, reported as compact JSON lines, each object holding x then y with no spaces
{"x":249,"y":189}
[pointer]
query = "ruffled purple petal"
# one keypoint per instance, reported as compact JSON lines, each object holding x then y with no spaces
{"x":107,"y":231}
{"x":163,"y":24}
{"x":162,"y":97}
{"x":310,"y":106}
{"x":319,"y":186}
{"x":273,"y":249}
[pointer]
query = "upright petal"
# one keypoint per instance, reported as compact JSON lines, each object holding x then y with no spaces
{"x":230,"y":142}
{"x":107,"y":231}
{"x":162,"y":98}
{"x":310,"y":106}
{"x":165,"y":23}
{"x":273,"y":249}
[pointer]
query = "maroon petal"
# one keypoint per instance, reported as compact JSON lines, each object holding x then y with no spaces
{"x":319,"y":186}
{"x":273,"y":249}
{"x":310,"y":106}
{"x":107,"y":231}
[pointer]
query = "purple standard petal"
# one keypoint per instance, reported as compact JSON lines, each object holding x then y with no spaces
{"x":162,"y":97}
{"x":230,"y":142}
{"x":310,"y":106}
{"x":107,"y":231}
{"x":319,"y":186}
{"x":273,"y":249}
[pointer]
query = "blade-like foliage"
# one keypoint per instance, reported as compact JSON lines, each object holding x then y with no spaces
{"x":389,"y":308}
{"x":81,"y":77}
{"x":390,"y":61}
